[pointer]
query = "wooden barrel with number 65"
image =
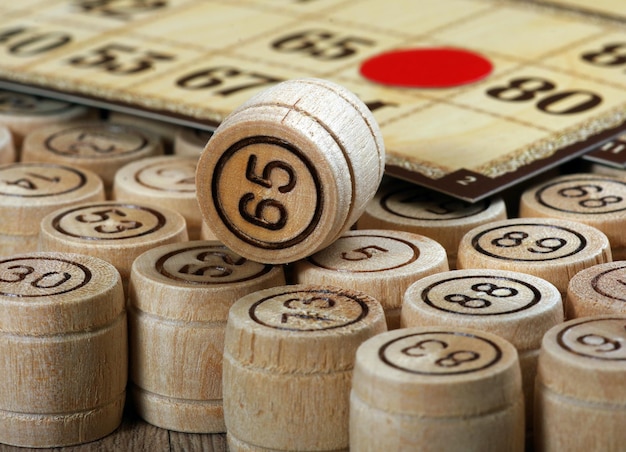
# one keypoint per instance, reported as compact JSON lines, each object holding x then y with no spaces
{"x":290,"y":170}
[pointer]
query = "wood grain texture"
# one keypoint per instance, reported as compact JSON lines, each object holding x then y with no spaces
{"x":288,"y":359}
{"x":30,"y":191}
{"x":436,"y":389}
{"x":381,"y":263}
{"x":116,"y":232}
{"x":597,"y":290}
{"x":8,"y":152}
{"x":190,"y":142}
{"x":63,"y":338}
{"x":179,"y":299}
{"x":206,"y":233}
{"x":580,"y":382}
{"x":23,"y":113}
{"x":515,"y":306}
{"x":134,"y":434}
{"x":599,"y":201}
{"x":550,"y":248}
{"x":165,"y":130}
{"x":166,"y":181}
{"x":402,"y":206}
{"x":97,"y":145}
{"x":290,"y":170}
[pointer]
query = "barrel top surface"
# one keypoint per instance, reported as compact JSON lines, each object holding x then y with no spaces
{"x":437,"y":370}
{"x":112,"y":223}
{"x":585,"y":358}
{"x":48,"y":293}
{"x":196,"y":280}
{"x":301,"y":328}
{"x":91,"y":140}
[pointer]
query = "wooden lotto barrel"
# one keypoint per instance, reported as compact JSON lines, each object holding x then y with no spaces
{"x":63,"y":342}
{"x":115,"y":231}
{"x":166,"y":181}
{"x":581,"y":392}
{"x":165,"y":130}
{"x":23,"y":113}
{"x":439,"y":389}
{"x":596,"y":200}
{"x":403,"y":206}
{"x":30,"y":191}
{"x":98,"y":146}
{"x":190,"y":142}
{"x":550,"y":248}
{"x":516,"y":306}
{"x":179,"y":299}
{"x":288,"y":358}
{"x":290,"y":170}
{"x":597,"y":290}
{"x":381,"y":263}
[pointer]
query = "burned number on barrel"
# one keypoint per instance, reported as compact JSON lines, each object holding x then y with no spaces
{"x":269,"y":213}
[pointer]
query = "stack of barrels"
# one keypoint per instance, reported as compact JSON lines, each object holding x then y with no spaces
{"x":268,"y":282}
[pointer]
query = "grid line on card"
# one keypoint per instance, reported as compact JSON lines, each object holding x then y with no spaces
{"x":229,"y":51}
{"x":407,"y":39}
{"x":374,"y":28}
{"x":577,"y":10}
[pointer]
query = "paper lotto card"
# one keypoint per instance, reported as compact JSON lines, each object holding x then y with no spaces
{"x":472,"y":96}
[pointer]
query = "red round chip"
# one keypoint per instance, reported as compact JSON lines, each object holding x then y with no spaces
{"x":427,"y":67}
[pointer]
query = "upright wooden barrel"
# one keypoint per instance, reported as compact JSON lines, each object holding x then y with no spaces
{"x":179,"y":299}
{"x":165,"y":181}
{"x":288,"y":358}
{"x":597,"y":290}
{"x":402,"y":206}
{"x":30,"y":191}
{"x":599,"y":201}
{"x":63,"y":343}
{"x":438,"y":389}
{"x":580,"y":394}
{"x":115,"y":231}
{"x":550,"y":248}
{"x":23,"y":113}
{"x":515,"y":306}
{"x":98,"y":146}
{"x":381,"y":263}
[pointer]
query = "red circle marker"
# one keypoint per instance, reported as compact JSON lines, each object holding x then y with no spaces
{"x":427,"y":67}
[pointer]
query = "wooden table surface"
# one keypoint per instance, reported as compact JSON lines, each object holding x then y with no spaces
{"x":136,"y":435}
